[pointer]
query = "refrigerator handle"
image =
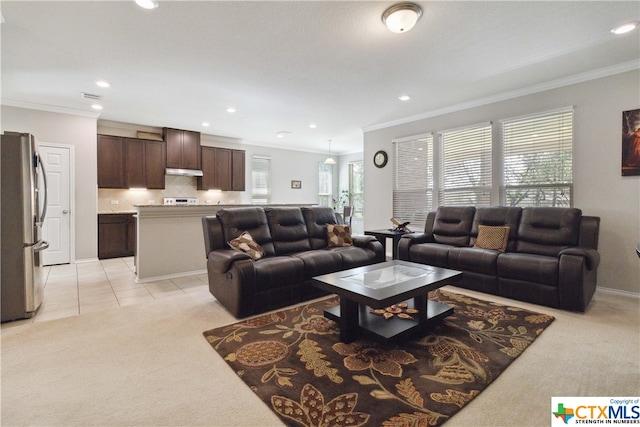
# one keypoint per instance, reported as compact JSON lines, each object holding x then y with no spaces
{"x":44,"y":207}
{"x":41,"y":246}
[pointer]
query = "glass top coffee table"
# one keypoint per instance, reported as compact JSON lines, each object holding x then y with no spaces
{"x":366,"y":293}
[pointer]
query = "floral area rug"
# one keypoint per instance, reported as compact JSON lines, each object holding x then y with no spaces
{"x":293,"y":360}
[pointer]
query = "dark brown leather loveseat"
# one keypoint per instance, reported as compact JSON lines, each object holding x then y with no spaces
{"x":294,"y":241}
{"x":550,"y":259}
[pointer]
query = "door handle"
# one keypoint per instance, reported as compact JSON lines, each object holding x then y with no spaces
{"x":65,"y":211}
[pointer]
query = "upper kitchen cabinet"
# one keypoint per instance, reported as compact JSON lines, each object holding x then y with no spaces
{"x":222,"y":169}
{"x":130,"y":162}
{"x":183,"y":148}
{"x":145,"y":163}
{"x":111,"y":162}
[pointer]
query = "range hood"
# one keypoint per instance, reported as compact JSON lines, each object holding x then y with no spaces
{"x":183,"y":172}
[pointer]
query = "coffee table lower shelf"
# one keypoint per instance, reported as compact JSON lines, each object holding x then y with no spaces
{"x":378,"y":328}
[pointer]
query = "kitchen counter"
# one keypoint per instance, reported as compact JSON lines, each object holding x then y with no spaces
{"x":170,"y":240}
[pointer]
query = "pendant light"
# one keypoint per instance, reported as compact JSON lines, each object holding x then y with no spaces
{"x":330,"y":160}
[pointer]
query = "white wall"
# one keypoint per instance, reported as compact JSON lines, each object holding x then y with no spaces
{"x":600,"y":189}
{"x":80,"y":132}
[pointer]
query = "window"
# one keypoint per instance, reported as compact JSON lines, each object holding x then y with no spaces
{"x":413,"y":179}
{"x":466,"y":166}
{"x":356,"y":188}
{"x":538,"y":160}
{"x":325,"y":184}
{"x":261,"y":179}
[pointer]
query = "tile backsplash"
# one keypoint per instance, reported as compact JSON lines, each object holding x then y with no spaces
{"x":123,"y":200}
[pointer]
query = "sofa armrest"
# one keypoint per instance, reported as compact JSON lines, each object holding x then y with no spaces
{"x":416,"y":238}
{"x":591,"y":256}
{"x":221,"y":260}
{"x":363,"y":241}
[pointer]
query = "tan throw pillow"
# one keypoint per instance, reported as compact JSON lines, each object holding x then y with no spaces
{"x":245,"y":243}
{"x":339,"y":235}
{"x":494,"y":238}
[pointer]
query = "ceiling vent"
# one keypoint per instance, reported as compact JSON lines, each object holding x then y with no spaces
{"x":91,"y":96}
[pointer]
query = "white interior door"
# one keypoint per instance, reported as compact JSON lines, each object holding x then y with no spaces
{"x":57,"y":225}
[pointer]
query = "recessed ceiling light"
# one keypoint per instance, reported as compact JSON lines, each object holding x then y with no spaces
{"x":96,"y":106}
{"x":625,"y":28}
{"x":103,"y":83}
{"x":147,"y":4}
{"x":313,"y":126}
{"x":231,"y":110}
{"x":404,"y":97}
{"x":282,"y":133}
{"x":205,"y":124}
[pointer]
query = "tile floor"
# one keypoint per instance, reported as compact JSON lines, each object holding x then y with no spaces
{"x":76,"y":289}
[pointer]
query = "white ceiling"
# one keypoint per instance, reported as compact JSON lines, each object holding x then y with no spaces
{"x":286,"y":64}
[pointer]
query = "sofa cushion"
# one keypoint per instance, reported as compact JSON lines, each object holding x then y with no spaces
{"x":452,"y":225}
{"x":288,"y":230}
{"x":546,"y":231}
{"x":498,"y":216}
{"x":235,"y":221}
{"x":319,"y":261}
{"x":435,"y":254}
{"x":492,"y":237}
{"x":529,"y":268}
{"x":474,"y":259}
{"x":353,"y":256}
{"x":316,"y":219}
{"x":245,"y":243}
{"x":339,"y":235}
{"x":278,"y":271}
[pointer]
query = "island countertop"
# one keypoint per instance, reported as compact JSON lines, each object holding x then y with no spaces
{"x":170,"y":240}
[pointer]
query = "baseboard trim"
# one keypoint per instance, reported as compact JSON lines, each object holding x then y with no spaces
{"x":85,"y":260}
{"x":618,"y":292}
{"x":170,"y":276}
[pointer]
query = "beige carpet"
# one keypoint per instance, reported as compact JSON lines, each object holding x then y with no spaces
{"x":148,"y":365}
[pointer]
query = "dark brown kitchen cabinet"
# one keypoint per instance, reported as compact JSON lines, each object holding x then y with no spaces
{"x":237,"y":170}
{"x":130,"y":162}
{"x":111,"y":162}
{"x":222,"y":169}
{"x":183,"y":148}
{"x":116,"y":235}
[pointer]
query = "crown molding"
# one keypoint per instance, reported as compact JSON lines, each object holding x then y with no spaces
{"x":554,"y":84}
{"x":49,"y":108}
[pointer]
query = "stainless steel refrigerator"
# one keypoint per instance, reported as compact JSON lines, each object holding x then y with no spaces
{"x":24,"y":206}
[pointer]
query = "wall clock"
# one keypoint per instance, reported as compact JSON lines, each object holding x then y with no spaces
{"x":380,"y":158}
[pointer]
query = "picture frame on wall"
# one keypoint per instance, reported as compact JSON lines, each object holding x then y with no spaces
{"x":296,"y":184}
{"x":631,"y":142}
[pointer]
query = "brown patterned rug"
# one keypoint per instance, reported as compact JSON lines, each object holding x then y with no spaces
{"x":295,"y":362}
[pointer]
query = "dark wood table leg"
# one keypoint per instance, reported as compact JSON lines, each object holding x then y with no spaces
{"x":420,"y":303}
{"x":349,"y":320}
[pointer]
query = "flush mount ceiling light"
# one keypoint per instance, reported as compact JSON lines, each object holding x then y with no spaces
{"x":147,"y":4}
{"x":404,"y":97}
{"x":329,"y":160}
{"x":231,"y":110}
{"x":401,"y":17}
{"x":625,"y":28}
{"x":103,"y":83}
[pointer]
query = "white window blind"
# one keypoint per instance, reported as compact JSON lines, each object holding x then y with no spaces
{"x":538,"y":160}
{"x":413,"y":179}
{"x":356,"y":188}
{"x":325,"y":184}
{"x":261,"y":179}
{"x":466,"y":166}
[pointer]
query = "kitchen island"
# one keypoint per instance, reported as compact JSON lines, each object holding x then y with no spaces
{"x":170,"y":240}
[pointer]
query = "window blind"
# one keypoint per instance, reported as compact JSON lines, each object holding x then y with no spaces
{"x":261,"y":179}
{"x":466,"y":166}
{"x":538,"y":160}
{"x":413,"y":179}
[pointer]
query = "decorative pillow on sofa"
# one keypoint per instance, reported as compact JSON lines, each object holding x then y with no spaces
{"x":494,"y":238}
{"x":339,"y":235}
{"x":245,"y":243}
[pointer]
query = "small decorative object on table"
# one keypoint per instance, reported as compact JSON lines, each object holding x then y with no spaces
{"x":402,"y":310}
{"x":400,"y":226}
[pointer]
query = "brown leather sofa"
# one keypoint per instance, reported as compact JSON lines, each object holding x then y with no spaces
{"x":550,"y":259}
{"x":295,"y":247}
